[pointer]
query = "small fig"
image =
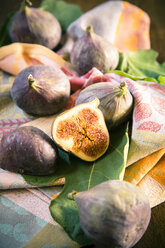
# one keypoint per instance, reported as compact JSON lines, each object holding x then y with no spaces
{"x":114,"y":213}
{"x":33,"y":25}
{"x":28,"y":150}
{"x":116,"y":102}
{"x":82,"y":131}
{"x":41,"y":90}
{"x":91,"y":50}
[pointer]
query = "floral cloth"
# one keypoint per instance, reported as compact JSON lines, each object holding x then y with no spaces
{"x":25,"y":219}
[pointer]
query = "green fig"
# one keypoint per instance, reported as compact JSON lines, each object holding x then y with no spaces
{"x":41,"y":90}
{"x":113,"y":214}
{"x":33,"y":25}
{"x":28,"y":150}
{"x":91,"y":50}
{"x":116,"y":102}
{"x":81,"y":130}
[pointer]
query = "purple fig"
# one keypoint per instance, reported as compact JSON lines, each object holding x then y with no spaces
{"x":28,"y":150}
{"x":91,"y":50}
{"x":116,"y":102}
{"x":41,"y":90}
{"x":114,"y":213}
{"x":33,"y":25}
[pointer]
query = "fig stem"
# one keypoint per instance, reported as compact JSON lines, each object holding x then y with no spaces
{"x":24,"y":4}
{"x":72,"y":194}
{"x":123,"y":88}
{"x":89,"y":30}
{"x":31,"y":79}
{"x":33,"y":83}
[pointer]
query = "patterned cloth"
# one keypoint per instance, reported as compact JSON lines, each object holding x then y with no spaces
{"x":11,"y":116}
{"x":25,"y":219}
{"x":27,"y":207}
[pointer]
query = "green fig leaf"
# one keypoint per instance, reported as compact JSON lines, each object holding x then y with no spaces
{"x":81,"y":175}
{"x":65,"y":13}
{"x":84,"y":175}
{"x":161,"y":80}
{"x":133,"y":77}
{"x":142,"y":63}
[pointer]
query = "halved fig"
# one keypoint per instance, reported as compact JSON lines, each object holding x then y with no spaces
{"x":82,"y":131}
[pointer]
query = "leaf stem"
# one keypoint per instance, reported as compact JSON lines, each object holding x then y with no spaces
{"x":72,"y":194}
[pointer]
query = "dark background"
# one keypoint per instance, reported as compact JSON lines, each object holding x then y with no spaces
{"x":155,"y":9}
{"x":155,"y":234}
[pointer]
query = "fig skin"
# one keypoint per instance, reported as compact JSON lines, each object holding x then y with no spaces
{"x":82,"y":131}
{"x":28,"y":150}
{"x":41,"y":90}
{"x":114,"y":213}
{"x":91,"y":50}
{"x":116,"y":102}
{"x":35,"y":26}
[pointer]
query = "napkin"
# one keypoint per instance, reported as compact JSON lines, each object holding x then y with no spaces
{"x":26,"y":220}
{"x":147,"y":137}
{"x":147,"y":144}
{"x":110,"y":20}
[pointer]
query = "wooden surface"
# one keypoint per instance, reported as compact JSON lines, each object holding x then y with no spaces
{"x":155,"y":234}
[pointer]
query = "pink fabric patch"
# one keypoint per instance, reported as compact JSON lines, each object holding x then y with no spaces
{"x":7,"y":125}
{"x":93,"y":76}
{"x":142,"y":111}
{"x":150,"y":126}
{"x":158,"y":103}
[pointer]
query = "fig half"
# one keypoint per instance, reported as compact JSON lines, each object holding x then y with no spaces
{"x":28,"y":150}
{"x":82,"y":131}
{"x":41,"y":90}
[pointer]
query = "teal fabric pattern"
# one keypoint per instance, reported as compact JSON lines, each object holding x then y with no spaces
{"x":17,"y":225}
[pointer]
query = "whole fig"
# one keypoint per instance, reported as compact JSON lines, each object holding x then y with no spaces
{"x":114,"y":213}
{"x":81,"y":130}
{"x":41,"y":90}
{"x":33,"y":25}
{"x":116,"y":102}
{"x":28,"y":150}
{"x":91,"y":50}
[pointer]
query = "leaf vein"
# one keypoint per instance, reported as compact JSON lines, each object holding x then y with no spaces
{"x":116,"y":149}
{"x":90,"y":176}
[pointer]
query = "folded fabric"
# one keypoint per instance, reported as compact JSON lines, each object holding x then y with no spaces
{"x":147,"y":142}
{"x":148,"y":126}
{"x":152,"y":164}
{"x":18,"y":56}
{"x":118,"y":16}
{"x":110,"y":20}
{"x":26,"y":220}
{"x":25,"y":213}
{"x":146,"y":153}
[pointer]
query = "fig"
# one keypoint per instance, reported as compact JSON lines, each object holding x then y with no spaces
{"x":91,"y":50}
{"x":116,"y":101}
{"x":28,"y":150}
{"x":33,"y":25}
{"x":41,"y":90}
{"x":114,"y":213}
{"x":82,"y":131}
